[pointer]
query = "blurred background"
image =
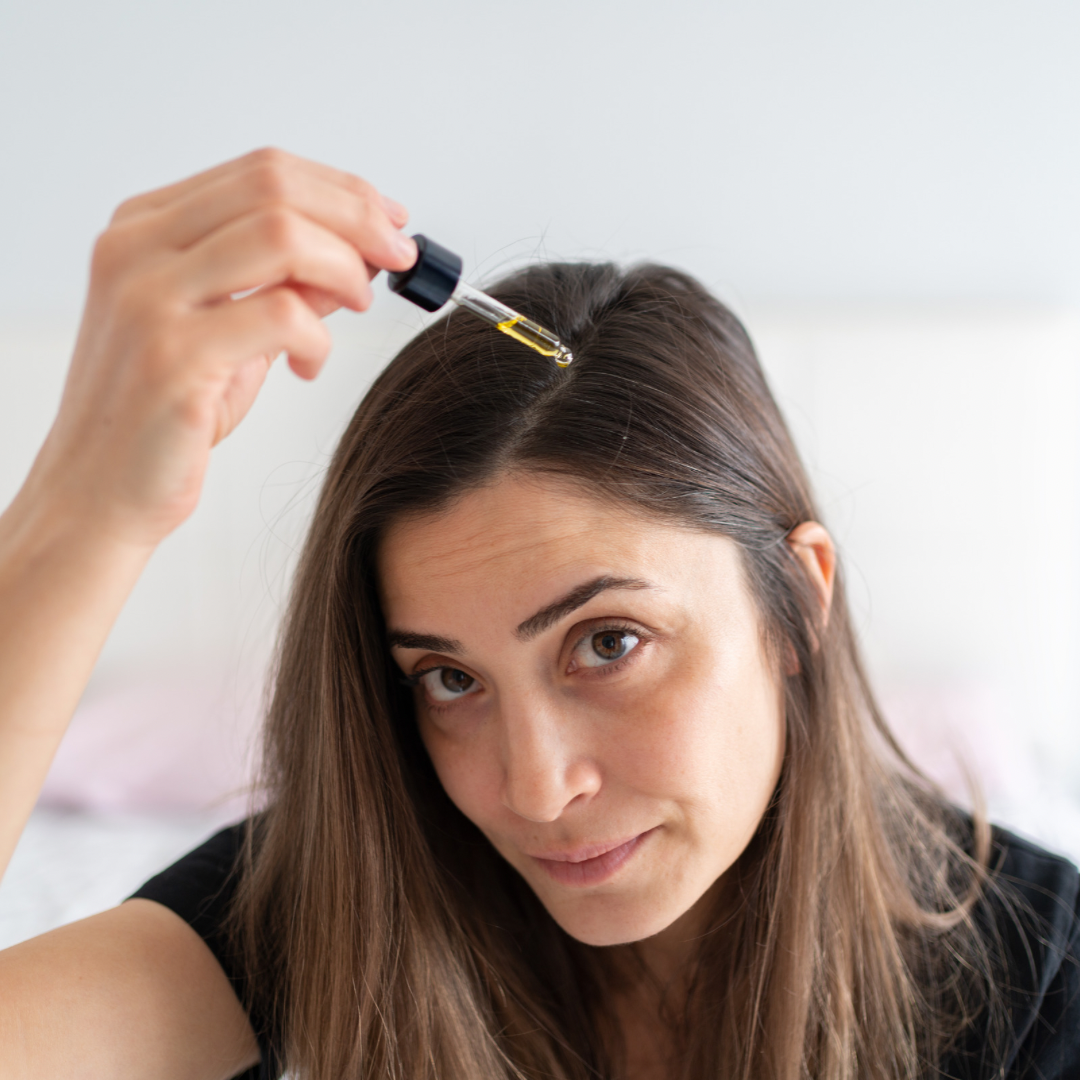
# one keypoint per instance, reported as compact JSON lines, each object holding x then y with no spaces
{"x":889,"y":195}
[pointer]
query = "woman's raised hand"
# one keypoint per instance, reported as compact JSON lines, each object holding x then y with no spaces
{"x":174,"y":345}
{"x":194,"y":290}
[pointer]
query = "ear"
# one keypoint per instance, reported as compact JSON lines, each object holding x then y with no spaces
{"x":812,"y":545}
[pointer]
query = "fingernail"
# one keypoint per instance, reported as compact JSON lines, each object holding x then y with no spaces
{"x":406,"y":247}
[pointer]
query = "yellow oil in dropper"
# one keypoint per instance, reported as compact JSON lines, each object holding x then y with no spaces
{"x":436,"y":277}
{"x":536,"y":337}
{"x":512,"y":323}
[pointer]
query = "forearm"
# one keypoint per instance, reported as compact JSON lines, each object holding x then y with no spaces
{"x":62,"y":585}
{"x":168,"y":360}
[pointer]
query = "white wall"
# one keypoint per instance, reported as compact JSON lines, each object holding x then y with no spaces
{"x":890,"y":193}
{"x":944,"y":443}
{"x":833,"y":148}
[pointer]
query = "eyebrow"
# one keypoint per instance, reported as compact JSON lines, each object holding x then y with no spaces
{"x":406,"y":639}
{"x":546,"y":617}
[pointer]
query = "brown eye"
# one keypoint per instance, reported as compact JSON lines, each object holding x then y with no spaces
{"x":609,"y":644}
{"x":605,"y":647}
{"x":456,"y":681}
{"x":447,"y":683}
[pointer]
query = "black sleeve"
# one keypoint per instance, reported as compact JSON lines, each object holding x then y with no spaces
{"x":1031,"y":915}
{"x":1053,"y":1045}
{"x":199,"y":888}
{"x":1044,"y":962}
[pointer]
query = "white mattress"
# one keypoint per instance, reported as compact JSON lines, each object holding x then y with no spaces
{"x":71,"y":865}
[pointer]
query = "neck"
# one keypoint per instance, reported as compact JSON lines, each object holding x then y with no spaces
{"x":668,"y":957}
{"x":650,"y":989}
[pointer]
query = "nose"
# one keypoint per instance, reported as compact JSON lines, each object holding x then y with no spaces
{"x":545,"y":766}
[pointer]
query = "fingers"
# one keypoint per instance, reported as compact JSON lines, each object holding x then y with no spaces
{"x":183,"y":213}
{"x":357,"y":217}
{"x":150,"y":200}
{"x":321,"y":303}
{"x":267,"y":323}
{"x":239,"y":395}
{"x":254,"y":160}
{"x":399,"y":216}
{"x":171,"y":359}
{"x":269,"y":247}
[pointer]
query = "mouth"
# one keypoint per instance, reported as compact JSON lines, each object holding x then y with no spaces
{"x":591,"y":865}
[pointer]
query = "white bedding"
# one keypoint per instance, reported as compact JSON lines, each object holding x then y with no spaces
{"x":71,"y":865}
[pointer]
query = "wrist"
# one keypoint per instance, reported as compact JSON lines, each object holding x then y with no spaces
{"x":129,"y":488}
{"x":44,"y":526}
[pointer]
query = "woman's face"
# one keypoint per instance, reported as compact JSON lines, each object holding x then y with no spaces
{"x":595,"y":694}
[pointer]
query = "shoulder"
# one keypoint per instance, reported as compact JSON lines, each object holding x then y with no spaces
{"x":1033,"y":898}
{"x":1050,"y":882}
{"x":1030,"y":912}
{"x":200,"y":887}
{"x":120,"y":993}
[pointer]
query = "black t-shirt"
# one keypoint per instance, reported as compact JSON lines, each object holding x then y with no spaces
{"x":1042,"y":990}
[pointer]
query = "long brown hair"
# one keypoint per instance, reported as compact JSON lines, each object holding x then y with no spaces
{"x":385,"y":937}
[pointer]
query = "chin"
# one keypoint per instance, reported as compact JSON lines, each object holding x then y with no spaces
{"x":607,"y":920}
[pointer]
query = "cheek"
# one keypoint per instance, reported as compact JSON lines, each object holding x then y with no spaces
{"x":469,"y":774}
{"x":713,"y":741}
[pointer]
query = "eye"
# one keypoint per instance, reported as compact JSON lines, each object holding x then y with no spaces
{"x":447,"y":683}
{"x":605,"y":647}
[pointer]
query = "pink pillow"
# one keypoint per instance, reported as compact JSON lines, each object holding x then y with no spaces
{"x":947,"y":728}
{"x":160,"y":746}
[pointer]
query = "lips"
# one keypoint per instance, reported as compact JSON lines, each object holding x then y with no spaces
{"x":590,"y":865}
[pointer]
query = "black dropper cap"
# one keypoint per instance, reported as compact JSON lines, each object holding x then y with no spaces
{"x":433,"y":277}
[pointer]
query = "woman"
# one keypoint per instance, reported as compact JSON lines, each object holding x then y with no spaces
{"x":572,"y":768}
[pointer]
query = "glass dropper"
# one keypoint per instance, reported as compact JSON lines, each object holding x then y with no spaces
{"x":512,"y":323}
{"x":436,"y":278}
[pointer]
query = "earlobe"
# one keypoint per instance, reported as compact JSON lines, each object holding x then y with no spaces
{"x":812,"y":545}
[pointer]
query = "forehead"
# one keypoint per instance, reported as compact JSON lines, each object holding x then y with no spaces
{"x":515,"y":540}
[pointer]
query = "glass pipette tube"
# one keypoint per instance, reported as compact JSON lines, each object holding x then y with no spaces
{"x":512,"y":323}
{"x":435,"y":277}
